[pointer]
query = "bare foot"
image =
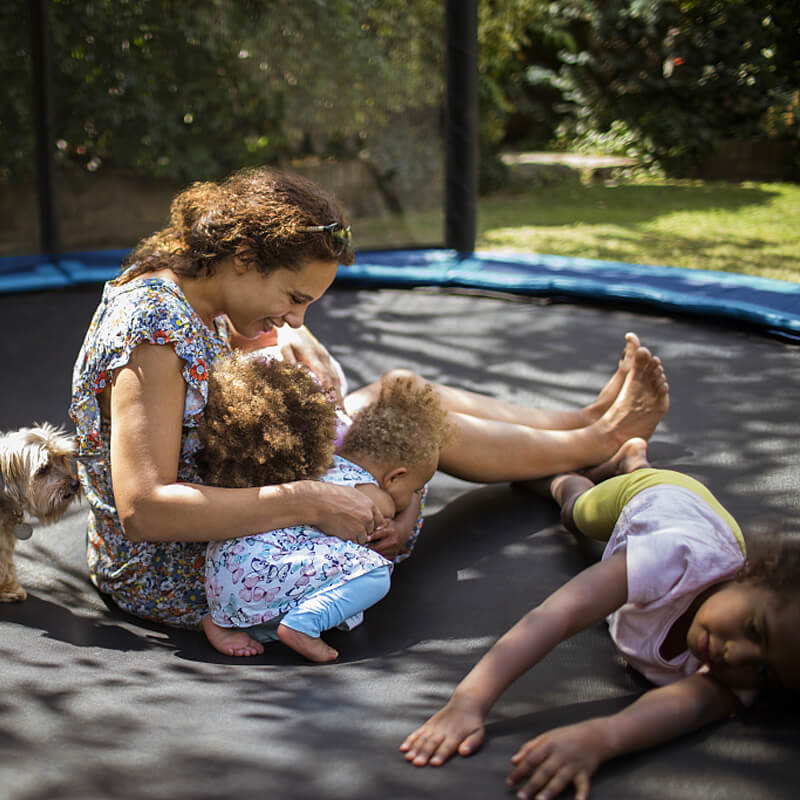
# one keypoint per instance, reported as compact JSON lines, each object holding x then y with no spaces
{"x":314,"y":649}
{"x":631,"y":456}
{"x":642,"y":401}
{"x":231,"y":641}
{"x":608,"y":394}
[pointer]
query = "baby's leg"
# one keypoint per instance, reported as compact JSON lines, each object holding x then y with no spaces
{"x":301,"y":627}
{"x":230,"y":641}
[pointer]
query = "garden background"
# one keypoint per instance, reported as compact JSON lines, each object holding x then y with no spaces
{"x":696,"y":100}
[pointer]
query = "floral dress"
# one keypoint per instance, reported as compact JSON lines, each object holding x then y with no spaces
{"x":255,"y":579}
{"x":161,"y":581}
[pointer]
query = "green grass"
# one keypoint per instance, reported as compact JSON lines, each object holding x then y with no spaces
{"x":750,"y":228}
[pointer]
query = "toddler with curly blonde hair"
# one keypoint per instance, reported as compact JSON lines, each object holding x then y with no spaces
{"x":269,"y":422}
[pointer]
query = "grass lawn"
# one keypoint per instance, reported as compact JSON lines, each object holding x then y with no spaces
{"x":751,"y":228}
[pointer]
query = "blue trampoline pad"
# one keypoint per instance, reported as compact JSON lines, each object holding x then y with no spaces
{"x":773,"y":305}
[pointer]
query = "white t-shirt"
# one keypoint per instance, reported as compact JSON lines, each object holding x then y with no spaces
{"x":676,"y":546}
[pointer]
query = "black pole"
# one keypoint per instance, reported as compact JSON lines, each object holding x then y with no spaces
{"x":461,"y":136}
{"x":45,"y":127}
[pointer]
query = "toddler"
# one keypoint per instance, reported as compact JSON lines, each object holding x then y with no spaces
{"x":696,"y":611}
{"x":269,"y":422}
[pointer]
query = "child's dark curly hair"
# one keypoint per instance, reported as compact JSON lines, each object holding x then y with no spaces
{"x":265,"y":422}
{"x":406,"y":425}
{"x":773,"y":559}
{"x":258,"y":214}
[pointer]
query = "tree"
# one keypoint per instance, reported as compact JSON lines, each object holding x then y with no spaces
{"x":193,"y":90}
{"x":676,"y":77}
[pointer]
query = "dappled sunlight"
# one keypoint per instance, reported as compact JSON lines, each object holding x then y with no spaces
{"x":93,"y":698}
{"x":740,"y":228}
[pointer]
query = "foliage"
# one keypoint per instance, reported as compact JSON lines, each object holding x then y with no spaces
{"x":680,"y":75}
{"x":193,"y":90}
{"x":509,"y":33}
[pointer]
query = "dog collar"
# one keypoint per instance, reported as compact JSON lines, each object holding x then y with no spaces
{"x":22,"y":530}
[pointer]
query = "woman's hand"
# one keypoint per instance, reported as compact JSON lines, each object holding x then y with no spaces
{"x":343,"y":511}
{"x":391,"y":538}
{"x":299,"y":345}
{"x":550,"y":762}
{"x":458,"y":727}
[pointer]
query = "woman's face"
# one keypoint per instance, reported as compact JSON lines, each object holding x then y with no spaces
{"x":257,"y":303}
{"x":744,"y":634}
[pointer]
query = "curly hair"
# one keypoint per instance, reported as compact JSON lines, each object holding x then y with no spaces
{"x":405,"y":425}
{"x":258,"y":214}
{"x":265,"y":422}
{"x":773,"y":560}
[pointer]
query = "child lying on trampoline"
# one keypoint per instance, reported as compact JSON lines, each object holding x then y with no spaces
{"x":269,"y":422}
{"x":689,"y":605}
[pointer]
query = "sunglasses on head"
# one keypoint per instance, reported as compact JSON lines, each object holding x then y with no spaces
{"x":341,"y":236}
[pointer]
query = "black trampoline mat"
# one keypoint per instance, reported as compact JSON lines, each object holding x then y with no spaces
{"x":97,"y":704}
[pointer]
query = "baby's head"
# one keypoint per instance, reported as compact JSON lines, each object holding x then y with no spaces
{"x":398,"y":437}
{"x":265,"y":422}
{"x":748,"y":631}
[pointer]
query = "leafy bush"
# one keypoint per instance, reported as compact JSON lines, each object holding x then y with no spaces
{"x":677,"y":76}
{"x":192,"y":90}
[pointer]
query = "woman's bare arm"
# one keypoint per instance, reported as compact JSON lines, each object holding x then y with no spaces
{"x":147,"y":401}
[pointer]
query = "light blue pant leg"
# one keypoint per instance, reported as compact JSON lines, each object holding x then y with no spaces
{"x":327,"y":609}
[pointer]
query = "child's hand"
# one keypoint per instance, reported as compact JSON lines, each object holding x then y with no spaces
{"x":455,"y":728}
{"x":555,"y":759}
{"x":391,"y":538}
{"x":388,"y":540}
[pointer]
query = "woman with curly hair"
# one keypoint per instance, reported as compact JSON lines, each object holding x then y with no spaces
{"x":237,"y":265}
{"x":269,"y":422}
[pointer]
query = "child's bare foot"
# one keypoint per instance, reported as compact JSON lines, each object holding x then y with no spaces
{"x":642,"y":401}
{"x":608,"y":394}
{"x":231,"y":641}
{"x":314,"y":649}
{"x":631,"y":456}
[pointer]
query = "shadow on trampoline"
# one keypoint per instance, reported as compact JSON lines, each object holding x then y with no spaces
{"x":97,"y":704}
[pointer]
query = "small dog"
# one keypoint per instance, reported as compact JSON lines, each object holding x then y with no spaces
{"x":37,"y":477}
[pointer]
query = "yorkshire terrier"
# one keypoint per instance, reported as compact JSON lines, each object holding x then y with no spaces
{"x":37,"y":478}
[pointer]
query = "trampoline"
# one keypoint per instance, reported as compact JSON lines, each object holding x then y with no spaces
{"x":96,"y":704}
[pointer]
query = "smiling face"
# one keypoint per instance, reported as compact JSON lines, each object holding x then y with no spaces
{"x":256,"y":303}
{"x":745,"y":634}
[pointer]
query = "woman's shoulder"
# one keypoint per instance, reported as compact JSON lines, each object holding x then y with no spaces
{"x":144,"y":293}
{"x":150,"y":308}
{"x":147,"y":310}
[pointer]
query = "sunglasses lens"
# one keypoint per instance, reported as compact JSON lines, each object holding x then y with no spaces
{"x":341,"y":237}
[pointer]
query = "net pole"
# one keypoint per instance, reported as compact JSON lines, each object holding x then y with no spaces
{"x":461,"y":120}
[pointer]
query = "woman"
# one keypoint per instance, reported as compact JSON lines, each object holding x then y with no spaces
{"x":238,"y":261}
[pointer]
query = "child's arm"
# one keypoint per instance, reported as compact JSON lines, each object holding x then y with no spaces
{"x":391,"y":538}
{"x":583,"y":601}
{"x":550,"y":762}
